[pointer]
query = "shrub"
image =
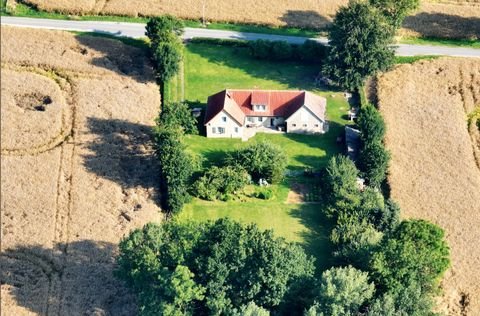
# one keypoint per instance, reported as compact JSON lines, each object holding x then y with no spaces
{"x":264,"y":193}
{"x":219,"y":183}
{"x":261,"y":160}
{"x":260,"y":49}
{"x":414,"y":253}
{"x":219,"y":41}
{"x":312,"y":52}
{"x":178,"y":115}
{"x":176,"y":168}
{"x":281,"y":50}
{"x":222,"y":266}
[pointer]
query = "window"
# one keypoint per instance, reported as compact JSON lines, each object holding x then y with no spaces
{"x":316,"y":125}
{"x":224,"y":118}
{"x":250,"y":119}
{"x":260,"y":108}
{"x":260,"y":119}
{"x":214,"y":130}
{"x":304,"y":125}
{"x":221,"y":130}
{"x":294,"y":125}
{"x":236,"y":129}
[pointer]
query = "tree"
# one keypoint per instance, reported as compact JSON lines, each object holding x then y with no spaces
{"x":395,"y":11}
{"x":253,"y":310}
{"x":176,"y":167}
{"x":371,"y":124}
{"x":178,"y":115}
{"x":359,"y":45}
{"x":340,"y":186}
{"x":387,"y":218}
{"x":343,"y":291}
{"x":162,"y":28}
{"x":407,"y":301}
{"x":261,"y":160}
{"x":166,"y":47}
{"x":373,"y":160}
{"x":356,"y":239}
{"x":210,"y":268}
{"x":167,"y":56}
{"x":414,"y":253}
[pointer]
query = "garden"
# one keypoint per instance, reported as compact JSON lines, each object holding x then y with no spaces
{"x":211,"y":68}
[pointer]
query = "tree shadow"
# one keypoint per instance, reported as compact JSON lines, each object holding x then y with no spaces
{"x":131,"y":59}
{"x":68,"y":280}
{"x":316,"y":238}
{"x":439,"y":25}
{"x":305,"y":19}
{"x":122,"y":152}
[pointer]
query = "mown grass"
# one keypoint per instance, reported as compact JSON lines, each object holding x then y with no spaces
{"x":412,"y":59}
{"x":441,"y":42}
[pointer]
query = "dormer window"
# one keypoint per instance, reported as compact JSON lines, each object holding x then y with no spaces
{"x":260,"y":107}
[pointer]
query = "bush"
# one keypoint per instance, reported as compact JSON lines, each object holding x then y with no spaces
{"x":261,"y":160}
{"x":176,"y":168}
{"x":312,"y":52}
{"x":222,"y":266}
{"x":264,"y":193}
{"x":219,"y":183}
{"x":178,"y":115}
{"x":281,"y":50}
{"x":219,"y":41}
{"x":260,"y":49}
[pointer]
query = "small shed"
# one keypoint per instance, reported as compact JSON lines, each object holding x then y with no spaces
{"x":352,"y":142}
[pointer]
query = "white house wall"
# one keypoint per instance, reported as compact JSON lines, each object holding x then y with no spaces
{"x":304,"y":121}
{"x":229,"y":126}
{"x":266,"y":122}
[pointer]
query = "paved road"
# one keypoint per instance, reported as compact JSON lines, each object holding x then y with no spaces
{"x":137,"y":30}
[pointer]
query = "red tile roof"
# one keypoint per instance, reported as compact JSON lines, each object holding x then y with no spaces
{"x":279,"y":103}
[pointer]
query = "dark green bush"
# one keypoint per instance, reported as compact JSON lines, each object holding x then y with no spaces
{"x":261,"y":160}
{"x":219,"y":41}
{"x":178,"y":115}
{"x":264,"y":193}
{"x":221,"y":182}
{"x":281,"y":50}
{"x":312,"y":52}
{"x":260,"y":49}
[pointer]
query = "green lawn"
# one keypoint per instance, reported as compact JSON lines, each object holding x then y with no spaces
{"x":211,"y":68}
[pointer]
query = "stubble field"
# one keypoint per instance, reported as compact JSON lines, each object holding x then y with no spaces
{"x":444,"y":18}
{"x":435,"y":168}
{"x":77,"y":170}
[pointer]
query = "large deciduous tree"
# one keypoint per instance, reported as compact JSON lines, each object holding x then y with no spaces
{"x":210,"y":268}
{"x":359,"y":45}
{"x":415,"y":253}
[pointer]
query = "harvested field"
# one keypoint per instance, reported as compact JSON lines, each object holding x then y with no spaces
{"x":77,"y":169}
{"x":435,"y":168}
{"x":449,"y":19}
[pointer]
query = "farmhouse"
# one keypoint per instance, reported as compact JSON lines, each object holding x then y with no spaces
{"x":242,"y":113}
